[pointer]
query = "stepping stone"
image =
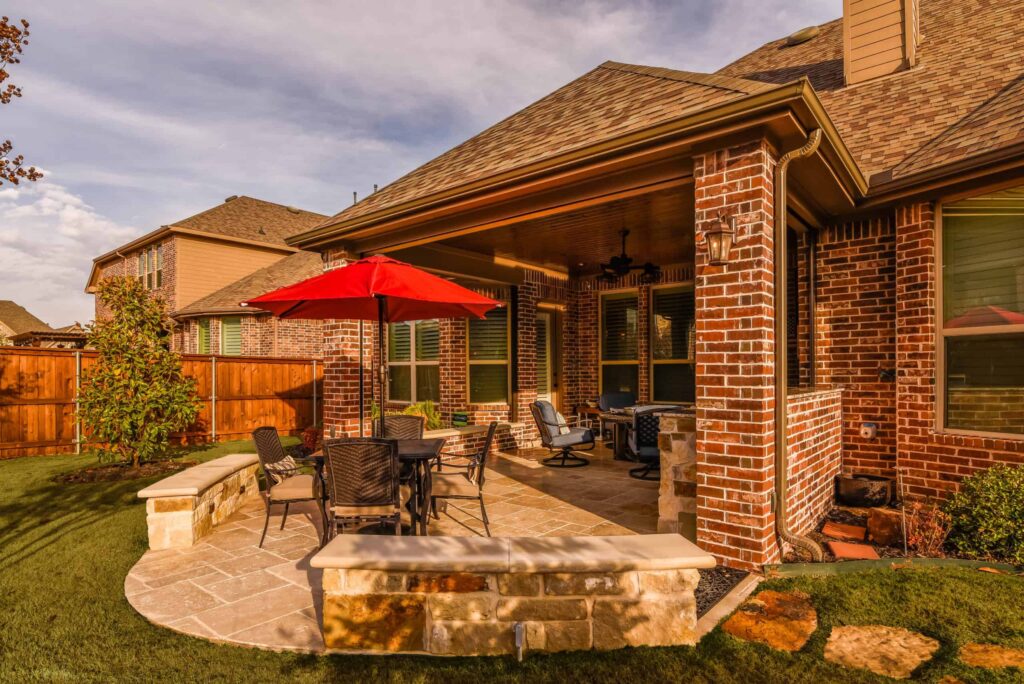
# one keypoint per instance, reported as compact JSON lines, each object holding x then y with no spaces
{"x":842,"y":531}
{"x":845,"y":550}
{"x":783,"y":620}
{"x":885,"y":526}
{"x":994,"y":571}
{"x":889,"y":651}
{"x":991,"y":656}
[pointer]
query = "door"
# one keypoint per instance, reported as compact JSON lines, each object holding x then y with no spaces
{"x":546,"y":386}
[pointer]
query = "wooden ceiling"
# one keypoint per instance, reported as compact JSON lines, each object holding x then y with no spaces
{"x":660,"y":225}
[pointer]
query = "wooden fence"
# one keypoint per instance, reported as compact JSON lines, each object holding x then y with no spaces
{"x":38,"y":391}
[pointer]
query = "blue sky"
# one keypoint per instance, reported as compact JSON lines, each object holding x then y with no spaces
{"x":142,"y":113}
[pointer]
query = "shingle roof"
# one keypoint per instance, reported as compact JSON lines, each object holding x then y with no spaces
{"x":611,"y":100}
{"x":18,"y":319}
{"x":969,"y":52}
{"x":252,"y":219}
{"x":291,"y":269}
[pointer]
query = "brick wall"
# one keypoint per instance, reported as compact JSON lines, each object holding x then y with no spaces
{"x":128,"y":264}
{"x":735,"y":364}
{"x":932,"y":463}
{"x":856,"y":328}
{"x":815,"y":448}
{"x":262,"y":335}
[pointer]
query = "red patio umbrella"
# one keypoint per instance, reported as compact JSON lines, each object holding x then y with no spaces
{"x":985,"y":315}
{"x":375,"y":288}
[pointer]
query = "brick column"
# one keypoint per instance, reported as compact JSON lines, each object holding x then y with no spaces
{"x":341,"y":368}
{"x":452,"y":368}
{"x":735,"y":364}
{"x":527,"y":362}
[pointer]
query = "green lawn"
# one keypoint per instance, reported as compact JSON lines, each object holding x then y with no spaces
{"x":65,"y":550}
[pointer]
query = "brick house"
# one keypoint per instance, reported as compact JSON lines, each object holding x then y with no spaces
{"x":868,"y":171}
{"x":230,"y":245}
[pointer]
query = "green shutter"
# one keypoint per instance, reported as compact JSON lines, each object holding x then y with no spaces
{"x":488,"y":337}
{"x":428,"y":341}
{"x":231,"y":336}
{"x":204,"y":336}
{"x":399,"y":347}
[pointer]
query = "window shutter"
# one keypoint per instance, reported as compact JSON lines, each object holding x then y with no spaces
{"x":488,"y":337}
{"x":204,"y":336}
{"x":399,"y":347}
{"x":619,"y":327}
{"x":428,"y":341}
{"x":231,"y":336}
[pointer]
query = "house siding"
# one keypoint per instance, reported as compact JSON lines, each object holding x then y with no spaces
{"x":205,"y":266}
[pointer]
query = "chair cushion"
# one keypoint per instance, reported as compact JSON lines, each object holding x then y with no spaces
{"x":279,"y":470}
{"x":573,"y":437}
{"x":551,"y":417}
{"x":345,"y":511}
{"x":452,"y":484}
{"x":292,"y":488}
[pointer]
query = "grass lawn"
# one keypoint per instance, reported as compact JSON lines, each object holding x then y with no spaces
{"x":65,"y":550}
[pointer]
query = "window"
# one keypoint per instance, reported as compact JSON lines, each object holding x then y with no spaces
{"x":413,"y":352}
{"x":231,"y":335}
{"x":981,"y":313}
{"x":142,"y":267}
{"x":151,"y":267}
{"x":203,"y":336}
{"x":672,"y":345}
{"x":489,"y":358}
{"x":159,"y":265}
{"x":620,"y":368}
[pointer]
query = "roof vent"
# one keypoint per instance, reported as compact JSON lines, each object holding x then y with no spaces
{"x":229,"y":199}
{"x":802,"y":36}
{"x":261,"y":231}
{"x":294,"y":210}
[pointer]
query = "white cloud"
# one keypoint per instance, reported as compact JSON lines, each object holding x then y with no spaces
{"x":48,"y":237}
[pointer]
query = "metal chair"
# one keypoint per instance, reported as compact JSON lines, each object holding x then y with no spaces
{"x":402,"y":427}
{"x":468,"y":484}
{"x":286,"y":484}
{"x":558,"y":436}
{"x":362,"y":483}
{"x":613,"y":400}
{"x":642,"y":442}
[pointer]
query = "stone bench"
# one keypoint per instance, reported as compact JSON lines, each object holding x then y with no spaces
{"x":184,"y":507}
{"x":465,"y":595}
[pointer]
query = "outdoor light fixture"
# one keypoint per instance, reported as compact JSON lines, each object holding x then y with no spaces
{"x":720,"y":235}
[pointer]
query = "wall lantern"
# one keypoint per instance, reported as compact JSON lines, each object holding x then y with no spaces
{"x":719,"y":236}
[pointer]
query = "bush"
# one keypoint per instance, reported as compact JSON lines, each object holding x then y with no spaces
{"x":987,"y":515}
{"x":927,"y":529}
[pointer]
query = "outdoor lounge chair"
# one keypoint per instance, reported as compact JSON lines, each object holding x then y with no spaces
{"x":642,"y":442}
{"x":467,"y":482}
{"x":286,"y":483}
{"x":362,"y":483}
{"x":558,"y":436}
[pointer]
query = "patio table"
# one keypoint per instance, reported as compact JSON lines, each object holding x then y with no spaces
{"x":418,"y":453}
{"x":619,"y":422}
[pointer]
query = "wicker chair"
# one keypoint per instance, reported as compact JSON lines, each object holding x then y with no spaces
{"x":467,"y":484}
{"x":403,"y":427}
{"x":362,"y":483}
{"x":558,"y":436}
{"x":286,"y":484}
{"x":642,"y":442}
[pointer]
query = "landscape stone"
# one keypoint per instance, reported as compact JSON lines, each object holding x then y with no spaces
{"x":889,"y":651}
{"x":841,"y":531}
{"x":471,"y":638}
{"x":376,"y":622}
{"x":519,"y":584}
{"x":542,"y":609}
{"x":885,"y":526}
{"x":783,"y":620}
{"x":991,"y":656}
{"x":586,"y":583}
{"x":660,"y":621}
{"x":848,"y":551}
{"x":450,"y":582}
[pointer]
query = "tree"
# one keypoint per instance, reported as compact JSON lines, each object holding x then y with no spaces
{"x":12,"y":41}
{"x":135,"y":395}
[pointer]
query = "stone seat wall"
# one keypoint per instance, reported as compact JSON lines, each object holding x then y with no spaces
{"x":465,"y":595}
{"x":185,"y":507}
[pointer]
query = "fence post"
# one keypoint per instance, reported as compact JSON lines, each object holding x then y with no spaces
{"x":213,"y":398}
{"x":314,"y":391}
{"x":78,"y":386}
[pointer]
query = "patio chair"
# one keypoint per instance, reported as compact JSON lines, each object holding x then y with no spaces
{"x":642,"y":442}
{"x":467,"y":484}
{"x":558,"y":436}
{"x":362,"y":483}
{"x":403,"y":427}
{"x":286,"y":483}
{"x":613,"y":400}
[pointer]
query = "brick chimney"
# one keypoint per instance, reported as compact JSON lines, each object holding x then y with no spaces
{"x":879,"y":38}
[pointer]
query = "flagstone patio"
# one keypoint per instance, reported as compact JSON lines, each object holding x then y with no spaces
{"x":227,"y":589}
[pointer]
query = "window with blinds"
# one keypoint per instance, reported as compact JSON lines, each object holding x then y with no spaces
{"x":203,"y":336}
{"x":544,"y":379}
{"x":414,"y":349}
{"x":231,"y":335}
{"x":672,"y":345}
{"x":620,"y":366}
{"x":489,"y":358}
{"x":151,"y":267}
{"x":982,"y":313}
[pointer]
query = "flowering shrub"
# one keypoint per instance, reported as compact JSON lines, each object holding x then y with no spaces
{"x":312,"y":438}
{"x":987,"y":515}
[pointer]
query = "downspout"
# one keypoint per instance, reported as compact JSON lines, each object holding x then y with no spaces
{"x":781,"y":374}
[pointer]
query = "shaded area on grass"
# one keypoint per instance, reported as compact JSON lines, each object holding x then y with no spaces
{"x":65,"y":550}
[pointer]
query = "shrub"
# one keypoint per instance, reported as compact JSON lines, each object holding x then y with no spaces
{"x":987,"y":515}
{"x":927,"y":529}
{"x":135,"y":395}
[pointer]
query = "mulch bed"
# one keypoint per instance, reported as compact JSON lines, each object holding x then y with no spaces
{"x":116,"y":472}
{"x":714,"y":584}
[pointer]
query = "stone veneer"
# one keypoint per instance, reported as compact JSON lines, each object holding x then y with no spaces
{"x":596,"y":592}
{"x":184,"y":507}
{"x":677,"y":494}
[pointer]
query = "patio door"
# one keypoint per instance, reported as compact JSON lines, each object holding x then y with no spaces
{"x":546,"y":382}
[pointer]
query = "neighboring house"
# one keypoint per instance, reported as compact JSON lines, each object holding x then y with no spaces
{"x":889,"y":143}
{"x":16,"y":320}
{"x":218,"y":324}
{"x":195,"y":257}
{"x":72,"y":336}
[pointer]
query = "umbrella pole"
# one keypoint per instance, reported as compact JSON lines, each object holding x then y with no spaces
{"x":362,"y":389}
{"x":380,"y":358}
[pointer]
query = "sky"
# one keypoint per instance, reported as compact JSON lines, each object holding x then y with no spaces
{"x":141,"y":113}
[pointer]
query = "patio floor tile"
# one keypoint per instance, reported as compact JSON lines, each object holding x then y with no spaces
{"x":256,"y":609}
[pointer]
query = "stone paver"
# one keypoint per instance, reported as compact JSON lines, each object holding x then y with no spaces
{"x":854,"y":533}
{"x":784,"y":620}
{"x":227,"y":589}
{"x":889,"y":651}
{"x":849,"y":551}
{"x":991,"y":656}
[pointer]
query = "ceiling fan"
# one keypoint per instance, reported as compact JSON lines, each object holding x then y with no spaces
{"x":621,"y":265}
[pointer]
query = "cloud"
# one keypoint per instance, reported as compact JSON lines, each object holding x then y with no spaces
{"x":47,"y":238}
